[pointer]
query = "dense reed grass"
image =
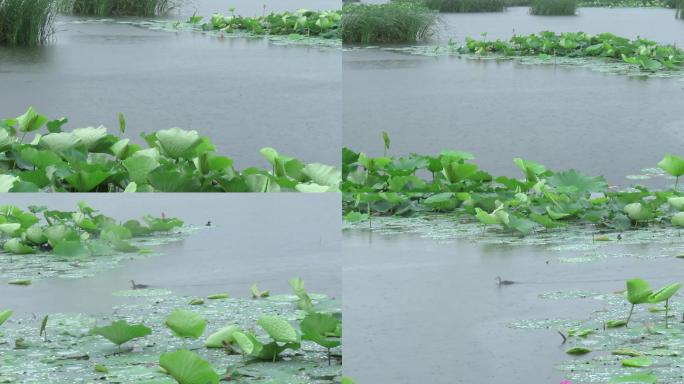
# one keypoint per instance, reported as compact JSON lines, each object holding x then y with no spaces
{"x":26,"y":22}
{"x":466,"y":5}
{"x":395,"y":22}
{"x":553,"y":7}
{"x":145,"y":8}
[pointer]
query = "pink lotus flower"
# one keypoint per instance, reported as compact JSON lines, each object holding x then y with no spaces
{"x":566,"y":382}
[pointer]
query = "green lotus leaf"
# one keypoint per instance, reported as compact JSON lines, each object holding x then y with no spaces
{"x":176,"y":142}
{"x":321,"y":328}
{"x":638,"y":291}
{"x":248,"y":343}
{"x":7,"y":182}
{"x":16,"y":247}
{"x":31,"y":121}
{"x":672,"y":164}
{"x":4,"y":315}
{"x":186,"y":324}
{"x":39,"y":158}
{"x":578,"y":351}
{"x":139,"y":167}
{"x":188,"y":368}
{"x":90,"y":136}
{"x":58,"y":233}
{"x":637,"y":362}
{"x":71,"y":248}
{"x":6,"y":140}
{"x":35,"y":234}
{"x":531,"y":169}
{"x":10,"y":228}
{"x":221,"y":337}
{"x":322,"y":174}
{"x":638,"y":212}
{"x":120,"y":332}
{"x":574,"y":181}
{"x":59,"y":142}
{"x":677,"y":202}
{"x":678,"y":219}
{"x":279,"y":329}
{"x":640,"y":378}
{"x":664,"y":293}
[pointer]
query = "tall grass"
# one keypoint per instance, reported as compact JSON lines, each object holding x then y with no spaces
{"x":395,"y":22}
{"x":26,"y":22}
{"x":553,"y":7}
{"x":466,"y":5}
{"x":117,"y":7}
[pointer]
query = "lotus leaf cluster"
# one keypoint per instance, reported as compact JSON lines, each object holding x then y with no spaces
{"x":325,"y":24}
{"x":174,"y":160}
{"x":73,"y":234}
{"x":645,"y":54}
{"x":541,"y":199}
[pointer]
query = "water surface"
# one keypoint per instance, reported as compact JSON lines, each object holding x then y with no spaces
{"x":253,"y":239}
{"x":243,"y":93}
{"x":563,"y":117}
{"x":420,"y":311}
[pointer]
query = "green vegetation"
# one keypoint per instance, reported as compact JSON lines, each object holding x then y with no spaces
{"x":619,"y":351}
{"x":253,"y":341}
{"x":175,"y":160}
{"x":466,"y":5}
{"x":26,"y":22}
{"x":607,"y":3}
{"x":73,"y":234}
{"x":628,"y":3}
{"x":543,"y":199}
{"x":325,"y":24}
{"x":395,"y":22}
{"x":553,"y":7}
{"x":646,"y":54}
{"x":145,"y":8}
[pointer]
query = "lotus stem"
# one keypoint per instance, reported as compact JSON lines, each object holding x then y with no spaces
{"x":676,"y":183}
{"x":329,"y":357}
{"x":667,"y":305}
{"x":631,"y":310}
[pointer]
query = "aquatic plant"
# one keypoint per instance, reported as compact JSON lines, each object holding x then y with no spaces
{"x":664,"y":295}
{"x":73,"y":234}
{"x":175,"y":160}
{"x":120,"y":332}
{"x":645,"y":54}
{"x":638,"y":292}
{"x":553,"y":7}
{"x":465,"y":5}
{"x":541,"y":200}
{"x":325,"y":24}
{"x":145,"y":8}
{"x":323,"y":329}
{"x":628,"y":3}
{"x":187,"y":367}
{"x":26,"y":22}
{"x":394,"y":22}
{"x":283,"y":336}
{"x":186,"y":324}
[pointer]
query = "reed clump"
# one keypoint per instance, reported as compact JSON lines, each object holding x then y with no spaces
{"x":26,"y":22}
{"x":394,"y":22}
{"x":145,"y":8}
{"x":553,"y":7}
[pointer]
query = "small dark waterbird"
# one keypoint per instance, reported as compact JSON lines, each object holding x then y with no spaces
{"x":500,"y":281}
{"x":208,"y":224}
{"x":138,"y":286}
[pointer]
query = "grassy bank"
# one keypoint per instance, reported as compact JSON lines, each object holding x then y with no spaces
{"x":466,"y":5}
{"x":553,"y":7}
{"x":26,"y":22}
{"x":145,"y":8}
{"x":395,"y":22}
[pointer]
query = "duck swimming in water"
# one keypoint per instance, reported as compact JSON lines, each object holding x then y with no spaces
{"x":499,"y":281}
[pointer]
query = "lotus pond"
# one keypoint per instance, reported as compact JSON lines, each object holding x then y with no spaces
{"x":93,"y":68}
{"x":122,"y":321}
